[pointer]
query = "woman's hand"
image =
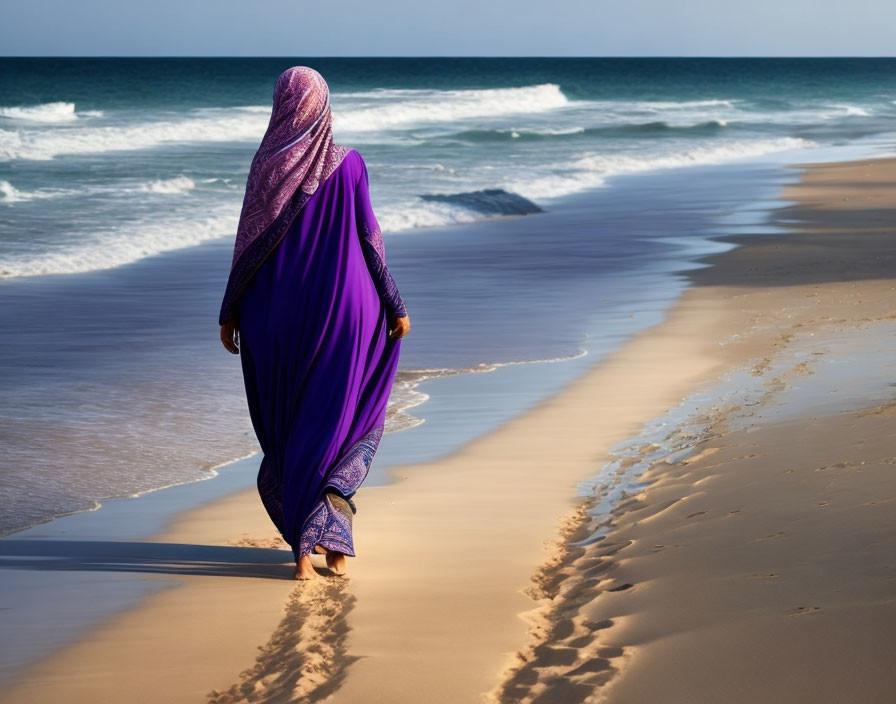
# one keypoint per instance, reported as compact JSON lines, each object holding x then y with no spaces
{"x":230,"y":337}
{"x":400,"y":327}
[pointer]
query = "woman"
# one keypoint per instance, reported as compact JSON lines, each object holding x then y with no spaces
{"x":316,"y":318}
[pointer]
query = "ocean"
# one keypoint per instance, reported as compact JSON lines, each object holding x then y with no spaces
{"x":534,"y":210}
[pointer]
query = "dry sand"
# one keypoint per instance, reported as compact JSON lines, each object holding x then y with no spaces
{"x":725,"y":580}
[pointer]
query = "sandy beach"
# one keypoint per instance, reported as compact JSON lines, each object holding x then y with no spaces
{"x":756,"y":566}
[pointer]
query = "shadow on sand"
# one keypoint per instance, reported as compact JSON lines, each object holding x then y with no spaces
{"x":159,"y":558}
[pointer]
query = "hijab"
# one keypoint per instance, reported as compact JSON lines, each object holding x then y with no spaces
{"x":296,"y":153}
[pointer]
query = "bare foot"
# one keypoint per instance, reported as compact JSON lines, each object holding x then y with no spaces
{"x":335,"y":560}
{"x":304,"y":568}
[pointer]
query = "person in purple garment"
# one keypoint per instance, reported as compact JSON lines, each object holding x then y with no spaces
{"x":316,"y":318}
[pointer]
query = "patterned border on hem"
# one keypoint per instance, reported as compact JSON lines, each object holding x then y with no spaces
{"x":325,"y":520}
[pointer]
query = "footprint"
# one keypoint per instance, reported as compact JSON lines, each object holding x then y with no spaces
{"x":562,"y":690}
{"x":593,"y":665}
{"x":800,"y":610}
{"x":598,"y":625}
{"x":562,"y":629}
{"x":271,"y":543}
{"x":549,"y":656}
{"x":621,"y":587}
{"x":580,"y":642}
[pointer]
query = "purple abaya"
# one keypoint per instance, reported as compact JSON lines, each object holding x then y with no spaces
{"x":317,"y":361}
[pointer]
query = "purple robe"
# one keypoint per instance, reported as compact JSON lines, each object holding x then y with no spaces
{"x":317,"y":361}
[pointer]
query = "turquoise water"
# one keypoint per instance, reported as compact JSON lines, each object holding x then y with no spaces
{"x":534,"y":209}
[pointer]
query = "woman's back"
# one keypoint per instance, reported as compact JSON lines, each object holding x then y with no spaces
{"x":318,"y":274}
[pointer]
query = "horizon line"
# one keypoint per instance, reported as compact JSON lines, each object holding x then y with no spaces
{"x":447,"y":56}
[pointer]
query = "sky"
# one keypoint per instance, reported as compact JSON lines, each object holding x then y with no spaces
{"x":455,"y":28}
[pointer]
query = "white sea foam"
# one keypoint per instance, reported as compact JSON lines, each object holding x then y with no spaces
{"x":592,"y":170}
{"x":682,"y":104}
{"x":217,"y":125}
{"x":853,"y":110}
{"x":689,"y":113}
{"x":169,"y":186}
{"x":684,"y":112}
{"x":10,"y":194}
{"x":126,"y":244}
{"x":405,"y":393}
{"x":410,"y":215}
{"x":800,"y":115}
{"x":46,"y":112}
{"x":254,"y":109}
{"x":545,"y":132}
{"x":400,"y":108}
{"x":809,"y":114}
{"x":173,"y":186}
{"x":710,"y":154}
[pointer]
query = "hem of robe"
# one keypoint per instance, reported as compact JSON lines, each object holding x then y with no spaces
{"x":330,"y":522}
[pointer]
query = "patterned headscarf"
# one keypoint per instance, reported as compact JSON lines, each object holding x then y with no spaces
{"x":296,"y":153}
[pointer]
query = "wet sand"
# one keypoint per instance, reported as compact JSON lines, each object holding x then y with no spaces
{"x":724,"y":579}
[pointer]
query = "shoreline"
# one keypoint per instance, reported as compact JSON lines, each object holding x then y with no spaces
{"x":367,"y":634}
